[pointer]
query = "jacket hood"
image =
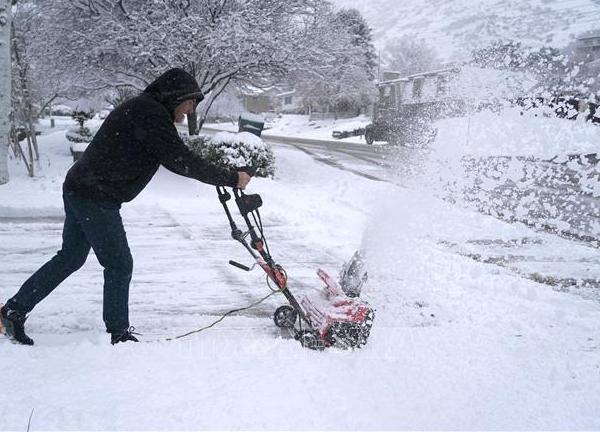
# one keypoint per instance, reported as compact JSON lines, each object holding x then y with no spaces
{"x":173,"y":87}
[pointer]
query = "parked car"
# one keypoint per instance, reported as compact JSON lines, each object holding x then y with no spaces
{"x":376,"y":132}
{"x":413,"y":133}
{"x":340,"y":134}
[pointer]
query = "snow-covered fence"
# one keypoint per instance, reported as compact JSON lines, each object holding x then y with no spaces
{"x":235,"y":150}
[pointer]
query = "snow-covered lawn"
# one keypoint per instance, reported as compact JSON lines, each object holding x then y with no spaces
{"x":456,"y":344}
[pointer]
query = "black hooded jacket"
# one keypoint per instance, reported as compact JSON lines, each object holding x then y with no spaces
{"x":137,"y":137}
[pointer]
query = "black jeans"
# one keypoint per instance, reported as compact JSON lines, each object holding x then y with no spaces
{"x":88,"y":224}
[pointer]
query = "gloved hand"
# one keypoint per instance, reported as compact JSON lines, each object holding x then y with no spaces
{"x":243,"y":179}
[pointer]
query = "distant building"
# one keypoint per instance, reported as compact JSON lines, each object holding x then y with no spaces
{"x":588,"y":46}
{"x":447,"y":91}
{"x":285,"y":100}
{"x":406,"y":105}
{"x":587,"y":49}
{"x":273,"y":99}
{"x":259,"y":100}
{"x":290,"y":102}
{"x":427,"y":89}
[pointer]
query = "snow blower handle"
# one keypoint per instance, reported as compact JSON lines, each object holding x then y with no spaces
{"x":240,"y":266}
{"x":247,"y":205}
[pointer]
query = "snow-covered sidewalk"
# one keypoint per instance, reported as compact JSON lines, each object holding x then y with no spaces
{"x":456,"y":343}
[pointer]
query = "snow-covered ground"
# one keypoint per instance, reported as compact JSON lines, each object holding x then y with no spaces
{"x":457,"y":343}
{"x":454,"y":27}
{"x":297,"y":125}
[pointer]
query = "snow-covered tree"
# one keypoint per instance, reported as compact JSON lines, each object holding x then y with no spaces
{"x":5,"y":86}
{"x":35,"y":85}
{"x":361,"y":36}
{"x":409,"y":55}
{"x":342,"y":65}
{"x":23,"y":96}
{"x":106,"y":43}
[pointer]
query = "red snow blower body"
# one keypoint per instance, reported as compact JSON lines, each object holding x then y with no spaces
{"x":328,"y":318}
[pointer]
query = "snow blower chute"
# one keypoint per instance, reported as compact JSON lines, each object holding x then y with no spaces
{"x":329,"y":318}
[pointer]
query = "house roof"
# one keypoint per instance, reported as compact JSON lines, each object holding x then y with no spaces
{"x":420,"y":75}
{"x":287,"y":93}
{"x":256,"y":91}
{"x":273,"y":91}
{"x":594,"y":34}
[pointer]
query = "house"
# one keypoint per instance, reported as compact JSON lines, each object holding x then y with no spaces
{"x":450,"y":90}
{"x":425,"y":91}
{"x":273,"y":99}
{"x":290,"y":102}
{"x":257,"y":100}
{"x":407,"y":105}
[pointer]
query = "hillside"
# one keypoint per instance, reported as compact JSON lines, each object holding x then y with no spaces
{"x":457,"y":26}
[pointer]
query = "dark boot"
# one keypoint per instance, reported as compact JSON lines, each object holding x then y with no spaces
{"x":14,"y":325}
{"x":124,"y":336}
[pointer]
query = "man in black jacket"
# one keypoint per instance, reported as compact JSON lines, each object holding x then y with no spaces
{"x":134,"y":140}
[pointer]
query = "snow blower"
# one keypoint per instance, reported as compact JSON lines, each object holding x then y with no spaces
{"x":329,"y":318}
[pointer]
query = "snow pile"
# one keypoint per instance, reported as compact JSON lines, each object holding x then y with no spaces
{"x":235,"y":150}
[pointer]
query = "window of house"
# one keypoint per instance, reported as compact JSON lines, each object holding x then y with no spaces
{"x":442,"y":85}
{"x":399,"y":93}
{"x":417,"y":89}
{"x":287,"y":100}
{"x":384,"y":96}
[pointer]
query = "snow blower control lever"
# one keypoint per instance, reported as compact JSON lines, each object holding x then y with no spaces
{"x":332,"y":319}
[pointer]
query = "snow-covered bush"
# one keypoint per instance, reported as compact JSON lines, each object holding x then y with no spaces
{"x":79,"y":135}
{"x":79,"y":138}
{"x":235,"y":150}
{"x":82,"y":116}
{"x":82,"y":134}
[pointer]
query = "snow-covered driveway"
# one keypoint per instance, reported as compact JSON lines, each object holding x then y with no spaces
{"x":456,"y":343}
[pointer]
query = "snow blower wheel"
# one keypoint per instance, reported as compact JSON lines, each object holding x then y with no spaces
{"x":285,"y":317}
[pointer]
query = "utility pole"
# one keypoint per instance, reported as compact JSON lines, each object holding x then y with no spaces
{"x":379,"y":65}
